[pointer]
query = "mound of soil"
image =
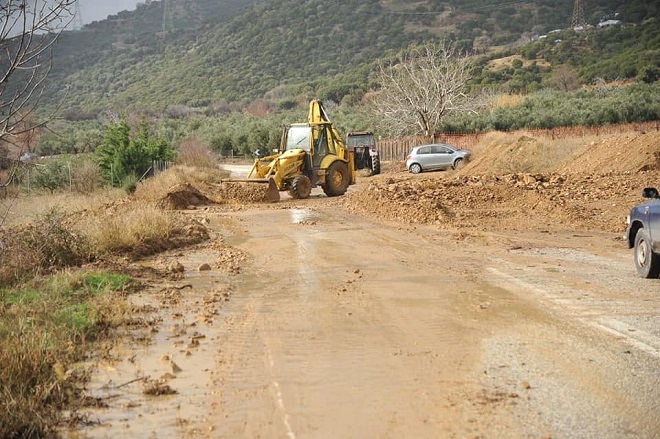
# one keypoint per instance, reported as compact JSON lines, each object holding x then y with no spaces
{"x":627,"y":153}
{"x":507,"y":154}
{"x":184,"y":196}
{"x":243,"y":192}
{"x":504,"y":153}
{"x":511,"y":201}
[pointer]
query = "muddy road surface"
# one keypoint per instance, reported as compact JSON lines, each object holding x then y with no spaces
{"x":313,"y":322}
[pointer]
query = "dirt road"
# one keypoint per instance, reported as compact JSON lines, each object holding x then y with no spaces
{"x":317,"y":322}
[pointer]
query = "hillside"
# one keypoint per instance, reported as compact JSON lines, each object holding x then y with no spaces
{"x":204,"y":54}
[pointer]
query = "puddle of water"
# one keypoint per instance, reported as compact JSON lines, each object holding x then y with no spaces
{"x":301,"y":215}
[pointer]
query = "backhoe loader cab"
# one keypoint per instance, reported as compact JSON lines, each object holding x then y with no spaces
{"x":311,"y":154}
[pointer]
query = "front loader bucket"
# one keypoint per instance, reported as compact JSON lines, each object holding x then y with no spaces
{"x":272,"y":194}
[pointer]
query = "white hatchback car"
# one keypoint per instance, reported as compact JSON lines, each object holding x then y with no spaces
{"x":435,"y":156}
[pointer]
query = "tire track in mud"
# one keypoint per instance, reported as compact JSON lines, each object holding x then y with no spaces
{"x":349,"y":340}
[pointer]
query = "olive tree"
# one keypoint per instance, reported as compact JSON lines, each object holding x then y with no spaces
{"x":29,"y":30}
{"x":419,"y":88}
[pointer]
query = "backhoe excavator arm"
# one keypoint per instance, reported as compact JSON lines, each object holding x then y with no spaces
{"x":317,"y":112}
{"x":318,"y":115}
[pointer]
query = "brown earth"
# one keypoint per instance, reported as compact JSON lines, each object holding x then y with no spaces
{"x":591,"y":189}
{"x":495,"y":301}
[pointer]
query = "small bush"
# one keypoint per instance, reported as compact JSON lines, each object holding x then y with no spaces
{"x":129,"y":183}
{"x":133,"y":229}
{"x":43,"y":246}
{"x":193,"y":153}
{"x":52,"y":175}
{"x":86,"y":177}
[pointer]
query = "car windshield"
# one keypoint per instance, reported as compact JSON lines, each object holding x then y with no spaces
{"x":298,"y":137}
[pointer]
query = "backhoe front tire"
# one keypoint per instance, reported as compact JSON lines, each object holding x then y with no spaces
{"x":301,"y":187}
{"x":336,"y":179}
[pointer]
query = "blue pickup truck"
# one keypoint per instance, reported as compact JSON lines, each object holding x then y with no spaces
{"x":643,"y":234}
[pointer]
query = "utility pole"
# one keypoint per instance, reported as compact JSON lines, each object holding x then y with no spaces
{"x":168,"y":18}
{"x":578,"y":21}
{"x":77,"y":17}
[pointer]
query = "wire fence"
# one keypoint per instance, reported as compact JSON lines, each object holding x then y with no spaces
{"x":24,"y":176}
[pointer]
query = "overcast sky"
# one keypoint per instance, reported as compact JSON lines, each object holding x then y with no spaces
{"x":95,"y":10}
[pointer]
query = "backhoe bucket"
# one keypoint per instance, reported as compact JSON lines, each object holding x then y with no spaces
{"x":272,"y":194}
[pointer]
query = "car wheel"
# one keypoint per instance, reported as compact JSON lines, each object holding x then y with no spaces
{"x":646,"y":262}
{"x":415,"y":168}
{"x":457,"y":163}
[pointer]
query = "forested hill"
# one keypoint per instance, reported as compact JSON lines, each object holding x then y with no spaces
{"x":202,"y":53}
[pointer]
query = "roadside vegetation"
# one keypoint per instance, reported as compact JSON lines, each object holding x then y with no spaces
{"x":47,"y":325}
{"x":57,"y":299}
{"x":240,"y":134}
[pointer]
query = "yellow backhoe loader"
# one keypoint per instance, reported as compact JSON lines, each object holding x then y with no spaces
{"x":310,"y":154}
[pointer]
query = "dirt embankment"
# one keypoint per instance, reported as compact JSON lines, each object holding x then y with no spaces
{"x":514,"y":183}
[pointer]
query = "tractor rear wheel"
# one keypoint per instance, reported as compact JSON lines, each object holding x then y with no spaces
{"x":336,"y":179}
{"x":375,"y":165}
{"x":301,"y":187}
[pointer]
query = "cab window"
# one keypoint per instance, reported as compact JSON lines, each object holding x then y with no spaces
{"x":298,"y":137}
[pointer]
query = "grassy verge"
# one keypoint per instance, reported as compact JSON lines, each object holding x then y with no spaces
{"x":52,"y":307}
{"x":45,"y":326}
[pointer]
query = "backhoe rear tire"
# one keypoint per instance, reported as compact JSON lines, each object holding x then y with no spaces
{"x":336,"y":179}
{"x":301,"y":187}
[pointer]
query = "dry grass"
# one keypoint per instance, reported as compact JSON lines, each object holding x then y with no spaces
{"x":31,"y":389}
{"x":42,"y":246}
{"x":26,"y":208}
{"x":504,"y":153}
{"x":130,"y":227}
{"x":506,"y":101}
{"x":50,"y":306}
{"x":42,"y":337}
{"x":192,"y":152}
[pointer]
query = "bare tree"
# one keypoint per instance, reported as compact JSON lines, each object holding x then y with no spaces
{"x":28,"y":31}
{"x":565,"y":78}
{"x":420,"y":88}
